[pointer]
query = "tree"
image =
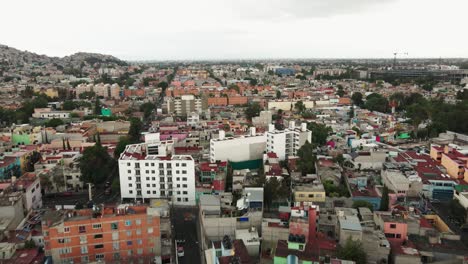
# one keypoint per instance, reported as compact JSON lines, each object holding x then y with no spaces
{"x":385,"y":200}
{"x":270,"y":191}
{"x":362,"y":203}
{"x":252,"y":110}
{"x":278,"y":94}
{"x":54,"y":122}
{"x":163,"y":85}
{"x":68,"y":105}
{"x":319,"y":133}
{"x":299,"y":106}
{"x":115,"y":185}
{"x":147,"y":109}
{"x":307,"y":158}
{"x":340,"y":92}
{"x":134,"y":133}
{"x":96,"y":164}
{"x":376,"y":102}
{"x":352,"y":250}
{"x":123,"y":142}
{"x":97,"y":106}
{"x":339,"y":159}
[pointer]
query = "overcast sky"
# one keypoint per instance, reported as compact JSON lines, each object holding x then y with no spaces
{"x":231,"y":29}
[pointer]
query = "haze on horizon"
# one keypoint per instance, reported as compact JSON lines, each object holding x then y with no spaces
{"x":237,"y":29}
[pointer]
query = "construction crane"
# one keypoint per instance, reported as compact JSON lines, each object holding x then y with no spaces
{"x":395,"y":56}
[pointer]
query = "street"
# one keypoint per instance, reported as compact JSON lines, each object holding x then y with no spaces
{"x":186,"y":229}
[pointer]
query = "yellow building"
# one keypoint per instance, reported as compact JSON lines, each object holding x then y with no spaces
{"x":455,"y":162}
{"x":50,"y":92}
{"x":310,"y":193}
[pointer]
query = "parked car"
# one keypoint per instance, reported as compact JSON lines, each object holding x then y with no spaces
{"x":180,"y":251}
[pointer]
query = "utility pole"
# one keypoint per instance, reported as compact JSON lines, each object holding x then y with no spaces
{"x":90,"y":195}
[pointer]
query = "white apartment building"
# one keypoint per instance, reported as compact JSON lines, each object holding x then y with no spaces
{"x":287,"y":142}
{"x":250,"y":147}
{"x":185,"y":105}
{"x":47,"y":113}
{"x":147,"y":170}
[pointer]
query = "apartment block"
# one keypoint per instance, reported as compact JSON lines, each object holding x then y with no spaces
{"x":185,"y":104}
{"x":108,"y":234}
{"x":287,"y":142}
{"x":147,"y":170}
{"x":250,"y":147}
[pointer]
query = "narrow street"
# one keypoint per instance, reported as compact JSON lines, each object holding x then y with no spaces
{"x":186,"y":229}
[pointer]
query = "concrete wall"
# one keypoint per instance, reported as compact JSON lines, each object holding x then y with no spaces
{"x":215,"y":228}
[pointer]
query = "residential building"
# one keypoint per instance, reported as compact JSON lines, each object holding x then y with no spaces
{"x":454,"y":161}
{"x":124,"y":233}
{"x":147,"y":171}
{"x":308,"y":194}
{"x":185,"y":104}
{"x":48,"y":113}
{"x":287,"y":142}
{"x":249,"y":147}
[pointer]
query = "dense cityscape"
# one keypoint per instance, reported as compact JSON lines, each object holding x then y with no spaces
{"x":288,"y":161}
{"x":233,"y":132}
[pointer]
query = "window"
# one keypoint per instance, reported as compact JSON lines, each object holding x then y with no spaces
{"x":161,"y":179}
{"x":129,"y":171}
{"x":82,"y":229}
{"x":139,"y":251}
{"x":64,"y":251}
{"x":153,"y":172}
{"x":138,"y":231}
{"x":393,"y":226}
{"x":184,"y":192}
{"x":184,"y":185}
{"x":128,"y":164}
{"x":184,"y":164}
{"x":84,"y":259}
{"x":162,"y":186}
{"x":98,"y":246}
{"x":116,"y":256}
{"x":116,"y":246}
{"x":184,"y":178}
{"x":152,"y":164}
{"x":83,"y":240}
{"x":97,"y":226}
{"x":99,"y":256}
{"x":154,"y":192}
{"x":129,"y":178}
{"x":129,"y":233}
{"x":84,"y":249}
{"x":146,"y":164}
{"x":398,"y":235}
{"x":138,"y":221}
{"x":147,"y":178}
{"x":161,"y":166}
{"x":115,"y":235}
{"x":150,"y":230}
{"x":148,"y":185}
{"x":153,"y":178}
{"x":98,"y":236}
{"x":161,"y":172}
{"x":128,"y":222}
{"x":61,"y":241}
{"x":177,"y":164}
{"x":177,"y":171}
{"x":139,"y":241}
{"x":130,"y":192}
{"x":154,"y":185}
{"x":130,"y":185}
{"x":148,"y":192}
{"x":129,"y":243}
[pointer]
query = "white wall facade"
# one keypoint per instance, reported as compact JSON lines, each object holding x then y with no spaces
{"x":158,"y":177}
{"x":238,"y":149}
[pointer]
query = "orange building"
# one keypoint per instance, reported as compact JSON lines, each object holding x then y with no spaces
{"x":237,"y":100}
{"x":219,"y":101}
{"x":455,"y":162}
{"x":110,"y":234}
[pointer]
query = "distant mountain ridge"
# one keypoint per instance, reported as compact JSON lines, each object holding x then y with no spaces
{"x":14,"y":56}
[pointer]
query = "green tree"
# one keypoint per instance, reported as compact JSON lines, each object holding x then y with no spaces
{"x":147,"y":109}
{"x":97,"y":106}
{"x":115,"y":185}
{"x":278,"y":94}
{"x":320,"y":133}
{"x":96,"y":164}
{"x":299,"y":106}
{"x":68,"y":105}
{"x":123,"y":142}
{"x":352,"y":250}
{"x":307,"y":158}
{"x":340,"y":92}
{"x":252,"y":110}
{"x":357,"y":99}
{"x":376,"y":102}
{"x":163,"y":85}
{"x":134,"y":133}
{"x":385,"y":200}
{"x":54,"y":122}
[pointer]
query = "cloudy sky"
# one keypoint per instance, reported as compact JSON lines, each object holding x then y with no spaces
{"x":230,"y":29}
